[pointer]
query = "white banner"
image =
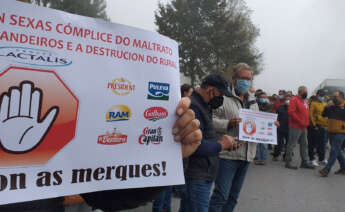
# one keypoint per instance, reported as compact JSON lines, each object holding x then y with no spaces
{"x":258,"y":127}
{"x":86,"y":105}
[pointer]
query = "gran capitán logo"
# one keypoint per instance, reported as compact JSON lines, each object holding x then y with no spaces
{"x":151,"y":136}
{"x":112,"y":138}
{"x":118,"y":113}
{"x":121,"y":86}
{"x":158,"y":91}
{"x":155,"y":113}
{"x":31,"y":56}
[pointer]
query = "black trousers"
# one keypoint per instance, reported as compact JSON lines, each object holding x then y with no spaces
{"x":282,"y":138}
{"x":316,"y":141}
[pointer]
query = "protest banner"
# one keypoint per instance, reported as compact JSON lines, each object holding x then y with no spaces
{"x":86,"y":105}
{"x":258,"y":127}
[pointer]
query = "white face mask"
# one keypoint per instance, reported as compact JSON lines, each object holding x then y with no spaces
{"x":249,"y":128}
{"x":287,"y":102}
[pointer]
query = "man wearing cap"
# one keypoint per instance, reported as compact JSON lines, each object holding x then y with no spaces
{"x":233,"y":165}
{"x":317,"y":129}
{"x":203,"y":163}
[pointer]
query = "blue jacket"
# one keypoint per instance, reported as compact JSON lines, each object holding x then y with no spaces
{"x":203,"y":163}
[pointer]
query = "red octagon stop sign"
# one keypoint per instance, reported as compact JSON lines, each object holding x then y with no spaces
{"x":38,"y":115}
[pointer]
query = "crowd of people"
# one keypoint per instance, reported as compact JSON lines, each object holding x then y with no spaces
{"x":208,"y":130}
{"x":222,"y":160}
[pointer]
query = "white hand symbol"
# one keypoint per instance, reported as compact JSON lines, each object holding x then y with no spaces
{"x":21,"y":129}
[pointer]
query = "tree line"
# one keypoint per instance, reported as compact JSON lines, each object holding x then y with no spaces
{"x":213,"y":35}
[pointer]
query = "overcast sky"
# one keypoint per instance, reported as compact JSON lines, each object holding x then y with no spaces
{"x":303,"y":41}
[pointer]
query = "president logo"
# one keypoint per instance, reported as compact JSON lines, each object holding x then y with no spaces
{"x":155,"y":113}
{"x":36,"y":57}
{"x":121,"y":86}
{"x":118,"y":113}
{"x":112,"y":138}
{"x":151,"y":136}
{"x":158,"y":91}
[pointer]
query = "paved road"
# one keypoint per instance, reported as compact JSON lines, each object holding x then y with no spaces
{"x":273,"y":188}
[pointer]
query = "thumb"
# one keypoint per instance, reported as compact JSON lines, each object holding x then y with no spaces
{"x":50,"y":117}
{"x":183,"y":106}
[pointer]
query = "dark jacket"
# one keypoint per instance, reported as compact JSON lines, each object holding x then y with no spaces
{"x":117,"y":200}
{"x":265,"y":107}
{"x":283,"y":118}
{"x":45,"y":205}
{"x":336,"y":118}
{"x":203,"y":166}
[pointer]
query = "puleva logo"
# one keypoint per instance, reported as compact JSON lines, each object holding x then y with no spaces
{"x":121,"y":86}
{"x":119,"y":113}
{"x":151,"y":135}
{"x":113,"y":138}
{"x":30,"y":56}
{"x":155,"y":113}
{"x":158,"y":91}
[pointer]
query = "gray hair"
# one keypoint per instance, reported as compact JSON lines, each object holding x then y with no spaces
{"x":301,"y":88}
{"x":239,"y":67}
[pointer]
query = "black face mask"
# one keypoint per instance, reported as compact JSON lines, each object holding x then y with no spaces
{"x":304,"y":95}
{"x":216,"y":102}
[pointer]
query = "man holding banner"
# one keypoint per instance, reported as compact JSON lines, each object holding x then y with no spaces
{"x":202,"y":165}
{"x":233,"y":165}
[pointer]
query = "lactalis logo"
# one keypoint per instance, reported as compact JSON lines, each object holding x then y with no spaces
{"x":32,"y":56}
{"x":119,"y":113}
{"x":112,"y":138}
{"x":121,"y":86}
{"x":155,"y":113}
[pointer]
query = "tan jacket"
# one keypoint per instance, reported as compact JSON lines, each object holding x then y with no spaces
{"x":221,"y":116}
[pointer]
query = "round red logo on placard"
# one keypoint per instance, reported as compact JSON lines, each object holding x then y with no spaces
{"x":155,"y":113}
{"x":249,"y":127}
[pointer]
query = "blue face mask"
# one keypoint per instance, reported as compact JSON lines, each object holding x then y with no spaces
{"x":243,"y":86}
{"x":263,"y":100}
{"x":321,"y":99}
